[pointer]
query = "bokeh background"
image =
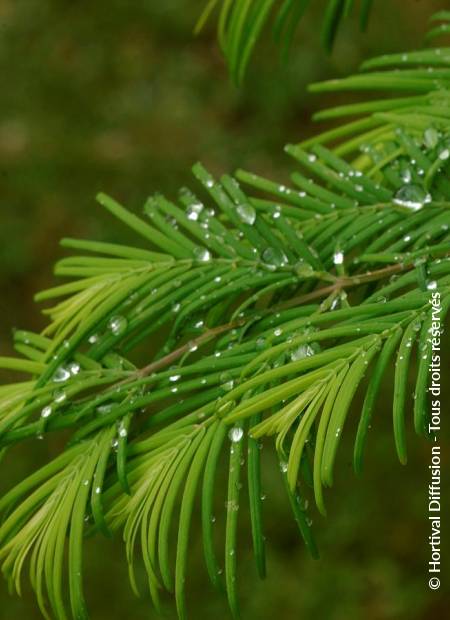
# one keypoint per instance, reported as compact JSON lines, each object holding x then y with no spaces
{"x":118,"y":95}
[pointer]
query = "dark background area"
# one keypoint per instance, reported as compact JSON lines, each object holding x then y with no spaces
{"x":119,"y":96}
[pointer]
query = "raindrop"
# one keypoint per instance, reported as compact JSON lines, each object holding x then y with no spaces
{"x":304,"y":350}
{"x":234,"y":507}
{"x":59,"y":396}
{"x":235,"y":434}
{"x":246,"y":213}
{"x":74,"y":368}
{"x":202,"y":254}
{"x":430,"y":137}
{"x":194,"y":211}
{"x":104,"y":409}
{"x":261,"y":343}
{"x":431,"y":286}
{"x":61,"y":374}
{"x":304,"y":503}
{"x":274,"y":256}
{"x":406,"y":175}
{"x":338,"y":258}
{"x":117,"y":324}
{"x":224,"y":408}
{"x":412,"y":196}
{"x":228,"y":385}
{"x":303,"y":269}
{"x":46,"y":412}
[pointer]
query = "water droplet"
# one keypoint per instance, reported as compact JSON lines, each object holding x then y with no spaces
{"x":93,"y":339}
{"x":46,"y":412}
{"x":304,"y":503}
{"x":274,"y":256}
{"x":301,"y":352}
{"x":412,"y":196}
{"x":59,"y":396}
{"x":117,"y":324}
{"x":61,"y":374}
{"x":277,"y":331}
{"x":174,"y":378}
{"x":202,"y":254}
{"x":194,"y":211}
{"x":431,"y":286}
{"x":74,"y":368}
{"x":235,"y":434}
{"x":228,"y":385}
{"x":338,"y":258}
{"x":246,"y":213}
{"x":405,"y":174}
{"x":303,"y":269}
{"x":430,"y":137}
{"x":261,"y":343}
{"x":104,"y":409}
{"x":232,"y":506}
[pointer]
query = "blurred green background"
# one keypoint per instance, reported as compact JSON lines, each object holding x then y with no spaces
{"x":119,"y":96}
